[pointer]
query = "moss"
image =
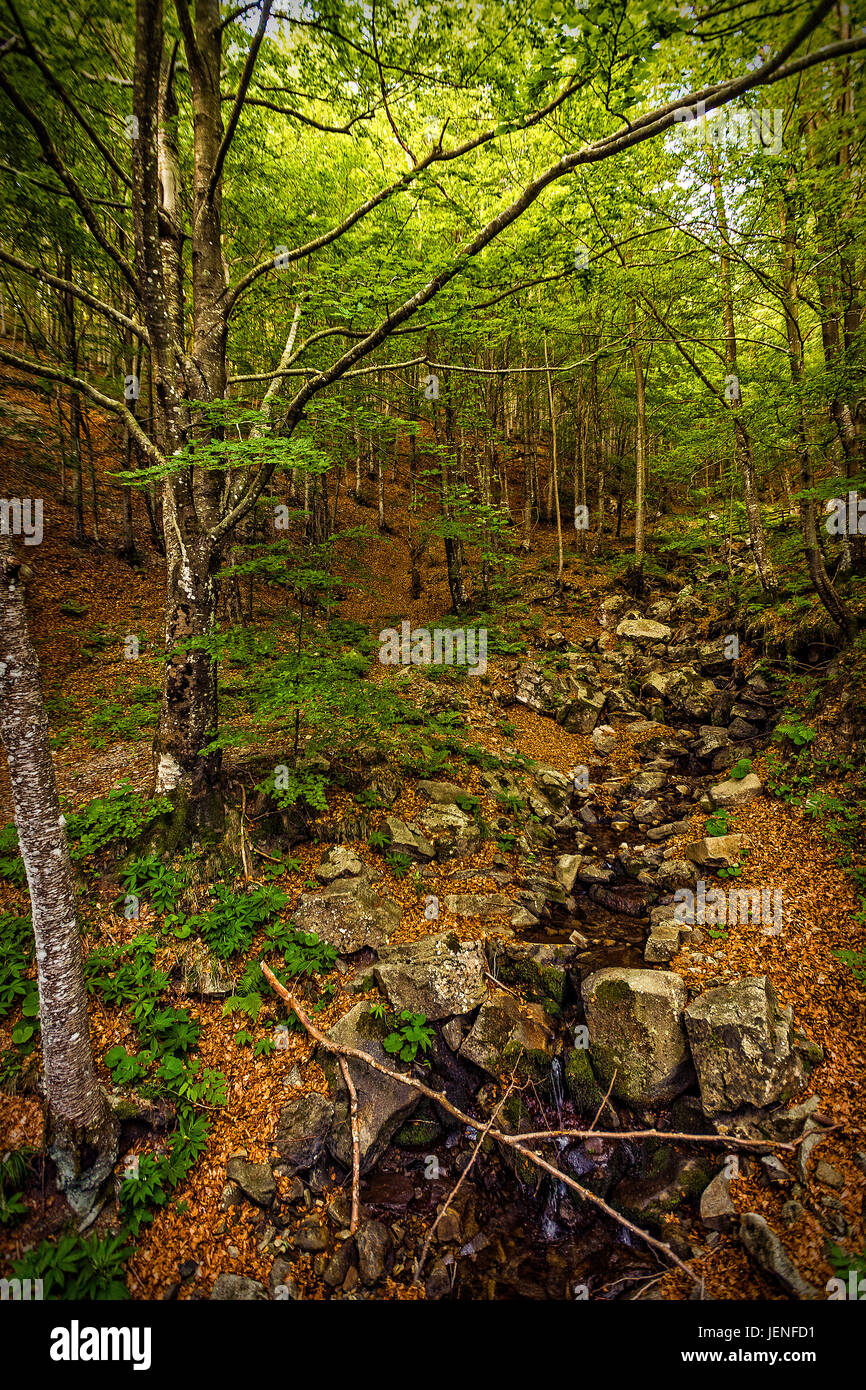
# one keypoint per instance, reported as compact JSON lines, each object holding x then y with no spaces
{"x":582,"y":1087}
{"x":612,"y":992}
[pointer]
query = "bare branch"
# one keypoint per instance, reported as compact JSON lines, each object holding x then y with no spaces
{"x":238,"y":107}
{"x":69,"y":287}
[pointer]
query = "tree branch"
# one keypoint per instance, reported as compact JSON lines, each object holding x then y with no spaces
{"x":238,"y":107}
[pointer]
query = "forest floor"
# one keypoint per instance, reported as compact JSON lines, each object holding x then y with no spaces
{"x":84,"y":601}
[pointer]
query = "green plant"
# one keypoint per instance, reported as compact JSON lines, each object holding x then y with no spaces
{"x":122,"y":815}
{"x":14,"y":1168}
{"x":231,"y":923}
{"x":856,"y":962}
{"x":150,"y":878}
{"x":409,"y":1033}
{"x":78,"y":1267}
{"x":16,"y":957}
{"x":11,"y":863}
{"x":719,"y":822}
{"x":740,"y":769}
{"x":399,"y":864}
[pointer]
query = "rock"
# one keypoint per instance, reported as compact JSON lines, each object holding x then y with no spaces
{"x":554,"y":786}
{"x":828,"y":1175}
{"x":451,"y":831}
{"x":373,"y":1243}
{"x":663,"y":942}
{"x":383,"y":1104}
{"x":442,"y":793}
{"x":304,"y":1125}
{"x":646,"y":783}
{"x":767,"y":1250}
{"x":438,"y":1281}
{"x":676,"y":873}
{"x":567,"y":869}
{"x":643,"y":631}
{"x":581,"y":1083}
{"x":735,"y":793}
{"x":504,"y":1032}
{"x":477,"y":904}
{"x":408,"y":840}
{"x":717,"y":851}
{"x":449,"y":1227}
{"x":311,"y":1236}
{"x":339,"y":862}
{"x":280,"y":1282}
{"x":348,"y":915}
{"x":237,"y":1289}
{"x":649,"y":813}
{"x":673,"y":1178}
{"x":603,"y":739}
{"x":718,"y":1212}
{"x":742,"y":1046}
{"x":773,"y":1170}
{"x":256,"y":1180}
{"x":635,"y":1030}
{"x":436,"y":976}
{"x":539,"y":969}
{"x":789,"y":1124}
{"x":339,"y":1264}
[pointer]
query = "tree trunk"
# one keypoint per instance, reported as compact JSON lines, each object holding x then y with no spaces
{"x":640,"y":443}
{"x":81,"y":1129}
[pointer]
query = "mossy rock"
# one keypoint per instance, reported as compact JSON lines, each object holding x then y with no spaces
{"x":580,"y":1081}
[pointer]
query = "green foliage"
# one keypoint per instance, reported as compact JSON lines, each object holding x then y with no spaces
{"x":409,"y":1033}
{"x":156,"y":1176}
{"x":792,"y":728}
{"x":14,"y":1168}
{"x":399,"y":864}
{"x":740,"y":769}
{"x":231,"y":923}
{"x":288,"y":788}
{"x":150,"y":878}
{"x":856,"y":962}
{"x":16,"y":957}
{"x":76,"y":1267}
{"x":119,"y":817}
{"x":719,"y":822}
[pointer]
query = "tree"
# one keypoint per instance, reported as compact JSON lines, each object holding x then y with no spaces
{"x":81,"y":1129}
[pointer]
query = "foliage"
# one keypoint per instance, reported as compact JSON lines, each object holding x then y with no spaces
{"x":408,"y":1034}
{"x":75,"y":1267}
{"x":121,"y":816}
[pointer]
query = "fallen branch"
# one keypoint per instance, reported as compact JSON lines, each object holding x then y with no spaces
{"x":356,"y":1144}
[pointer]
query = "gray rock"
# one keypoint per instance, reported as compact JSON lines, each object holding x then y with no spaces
{"x":717,"y":851}
{"x":567,"y":868}
{"x":304,"y":1125}
{"x":649,"y":813}
{"x":718,"y":1212}
{"x":676,"y":873}
{"x":373,"y":1243}
{"x":348,"y":915}
{"x":643,"y":631}
{"x":767,"y":1250}
{"x":735,"y":793}
{"x":339,"y":862}
{"x":437,"y":976}
{"x":383,"y":1104}
{"x":663,"y":942}
{"x":451,"y":831}
{"x":442,"y":793}
{"x":504,"y":1031}
{"x":256,"y":1180}
{"x":477,"y":904}
{"x":604,"y":739}
{"x":235,"y":1288}
{"x":635,"y":1030}
{"x":743,"y":1047}
{"x":408,"y":840}
{"x":311,"y":1236}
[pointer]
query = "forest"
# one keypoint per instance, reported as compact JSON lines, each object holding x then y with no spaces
{"x":432,"y":657}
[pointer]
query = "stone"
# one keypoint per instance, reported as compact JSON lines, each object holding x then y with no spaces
{"x":437,"y":976}
{"x":734,"y":793}
{"x":635,"y":1030}
{"x":767,"y":1250}
{"x":743,"y":1047}
{"x":311,"y":1236}
{"x":438,"y":1281}
{"x":718,"y":1212}
{"x":383,"y":1104}
{"x":663,"y":942}
{"x":830,"y":1176}
{"x":256,"y":1180}
{"x":717,"y":851}
{"x":449,"y":1227}
{"x":349,"y":915}
{"x":477,"y":904}
{"x":538,"y":968}
{"x":442,"y":793}
{"x":567,"y":869}
{"x":408,"y":840}
{"x":643,"y":631}
{"x":504,"y":1032}
{"x":339,"y":862}
{"x":339,"y":1264}
{"x":280,"y":1282}
{"x":235,"y":1288}
{"x":451,"y":832}
{"x":676,"y":873}
{"x":373,"y":1243}
{"x":603,"y":739}
{"x":304,"y":1125}
{"x":580,"y":1081}
{"x":649,"y":812}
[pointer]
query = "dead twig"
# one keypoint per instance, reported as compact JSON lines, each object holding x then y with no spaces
{"x":356,"y":1143}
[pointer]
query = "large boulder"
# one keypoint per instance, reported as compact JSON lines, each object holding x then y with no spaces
{"x":743,"y":1046}
{"x":383,"y":1103}
{"x":437,"y":976}
{"x":349,"y":915}
{"x":635,"y":1031}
